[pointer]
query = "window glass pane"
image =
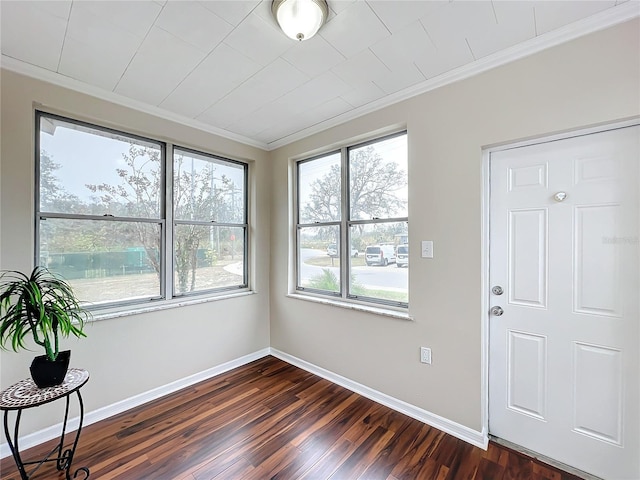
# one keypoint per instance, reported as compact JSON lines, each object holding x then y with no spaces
{"x":104,"y":261}
{"x":373,"y":274}
{"x":206,"y":188}
{"x":378,"y":179}
{"x":90,"y":171}
{"x":208,"y":257}
{"x":86,"y":172}
{"x":319,"y":191}
{"x":318,"y":265}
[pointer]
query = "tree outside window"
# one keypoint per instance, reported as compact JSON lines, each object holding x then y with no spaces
{"x":357,"y":197}
{"x":105,"y":224}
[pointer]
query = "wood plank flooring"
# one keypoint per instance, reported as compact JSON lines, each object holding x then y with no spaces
{"x":271,"y":420}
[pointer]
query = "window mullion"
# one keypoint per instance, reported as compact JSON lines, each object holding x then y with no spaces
{"x":345,"y":250}
{"x":297,"y":268}
{"x":210,"y":224}
{"x":379,"y":221}
{"x":319,"y":224}
{"x":296,"y":238}
{"x":168,"y":229}
{"x":98,"y":218}
{"x":36,"y":219}
{"x":245,"y":221}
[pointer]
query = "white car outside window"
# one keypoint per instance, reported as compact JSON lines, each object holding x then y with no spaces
{"x":402,"y":255}
{"x":379,"y":255}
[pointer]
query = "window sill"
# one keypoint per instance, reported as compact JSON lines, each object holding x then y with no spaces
{"x":385,"y":312}
{"x":163,"y":305}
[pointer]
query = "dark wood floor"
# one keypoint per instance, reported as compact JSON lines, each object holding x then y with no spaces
{"x":271,"y":420}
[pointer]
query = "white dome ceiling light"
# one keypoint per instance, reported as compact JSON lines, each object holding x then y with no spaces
{"x":300,"y":19}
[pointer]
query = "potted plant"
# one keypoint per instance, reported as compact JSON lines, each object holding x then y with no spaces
{"x":43,"y":306}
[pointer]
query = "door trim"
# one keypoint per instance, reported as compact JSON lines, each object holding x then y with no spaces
{"x":485,"y":241}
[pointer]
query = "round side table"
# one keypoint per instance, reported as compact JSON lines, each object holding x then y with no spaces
{"x":25,"y":394}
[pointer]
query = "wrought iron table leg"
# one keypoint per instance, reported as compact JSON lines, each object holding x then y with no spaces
{"x":71,"y":452}
{"x":61,"y":462}
{"x":13,"y":445}
{"x":63,"y":459}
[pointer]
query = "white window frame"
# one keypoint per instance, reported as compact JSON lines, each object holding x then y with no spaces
{"x":244,"y":224}
{"x":167,"y":292}
{"x":344,"y":224}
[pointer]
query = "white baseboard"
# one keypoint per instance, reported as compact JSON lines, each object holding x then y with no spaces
{"x":474,"y":437}
{"x":479,"y":439}
{"x":49,"y":433}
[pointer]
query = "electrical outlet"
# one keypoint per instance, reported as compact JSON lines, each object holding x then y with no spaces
{"x":425,"y":355}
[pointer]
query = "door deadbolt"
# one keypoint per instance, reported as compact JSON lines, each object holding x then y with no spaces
{"x":497,"y":290}
{"x":497,"y":311}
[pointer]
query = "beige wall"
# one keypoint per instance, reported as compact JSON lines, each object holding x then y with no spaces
{"x":128,"y":355}
{"x":589,"y":81}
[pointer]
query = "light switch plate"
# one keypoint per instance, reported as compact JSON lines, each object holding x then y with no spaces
{"x":427,"y":249}
{"x":425,"y":355}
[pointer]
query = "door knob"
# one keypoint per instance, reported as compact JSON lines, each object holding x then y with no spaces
{"x":560,"y":196}
{"x":497,"y":311}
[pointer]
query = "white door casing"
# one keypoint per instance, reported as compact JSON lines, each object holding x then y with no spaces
{"x":564,"y":368}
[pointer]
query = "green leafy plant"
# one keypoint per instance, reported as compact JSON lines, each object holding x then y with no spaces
{"x":42,"y":305}
{"x":326,"y":280}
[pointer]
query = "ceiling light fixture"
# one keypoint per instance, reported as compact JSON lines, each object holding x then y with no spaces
{"x":300,"y":19}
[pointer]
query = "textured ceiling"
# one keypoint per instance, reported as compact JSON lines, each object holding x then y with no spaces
{"x":224,"y":66}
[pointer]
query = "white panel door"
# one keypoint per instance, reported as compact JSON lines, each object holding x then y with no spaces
{"x":564,"y":368}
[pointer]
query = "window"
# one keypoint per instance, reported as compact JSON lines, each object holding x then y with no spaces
{"x":107,"y":222}
{"x":356,"y":196}
{"x":210,"y":226}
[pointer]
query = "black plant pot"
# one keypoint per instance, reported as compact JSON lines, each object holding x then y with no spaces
{"x":46,"y":373}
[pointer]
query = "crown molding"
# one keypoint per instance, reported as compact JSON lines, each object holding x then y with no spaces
{"x":594,"y":23}
{"x":607,"y":18}
{"x":39,"y":73}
